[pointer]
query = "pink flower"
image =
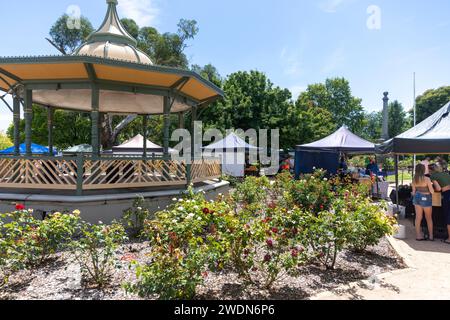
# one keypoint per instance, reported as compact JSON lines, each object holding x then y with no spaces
{"x":269,"y":243}
{"x":267,"y":258}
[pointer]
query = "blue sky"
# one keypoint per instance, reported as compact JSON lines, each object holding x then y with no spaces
{"x":295,"y":42}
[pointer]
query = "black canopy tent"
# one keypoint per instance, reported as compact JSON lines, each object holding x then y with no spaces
{"x":325,"y":153}
{"x":431,"y":136}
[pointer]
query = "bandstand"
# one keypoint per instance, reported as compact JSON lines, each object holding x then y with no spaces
{"x":107,"y":74}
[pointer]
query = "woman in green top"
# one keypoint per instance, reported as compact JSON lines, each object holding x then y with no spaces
{"x":443,"y":179}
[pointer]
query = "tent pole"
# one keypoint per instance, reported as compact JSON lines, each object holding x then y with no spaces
{"x":396,"y":183}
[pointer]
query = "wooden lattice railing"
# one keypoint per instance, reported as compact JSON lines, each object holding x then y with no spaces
{"x":205,"y":169}
{"x":85,"y":173}
{"x":110,"y":174}
{"x":38,"y":174}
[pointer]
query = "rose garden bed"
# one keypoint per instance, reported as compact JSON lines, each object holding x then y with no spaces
{"x":60,"y":278}
{"x":282,"y":240}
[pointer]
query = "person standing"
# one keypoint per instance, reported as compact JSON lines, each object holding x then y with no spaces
{"x":443,"y":179}
{"x":423,"y":190}
{"x":426,"y":163}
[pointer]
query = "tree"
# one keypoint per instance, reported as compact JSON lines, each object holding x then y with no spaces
{"x":335,"y":96}
{"x":430,"y":102}
{"x":164,"y":49}
{"x":5,"y":141}
{"x":70,"y":128}
{"x":66,"y":37}
{"x":305,"y":124}
{"x":398,"y":120}
{"x":373,"y":126}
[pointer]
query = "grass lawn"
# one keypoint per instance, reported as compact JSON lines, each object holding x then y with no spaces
{"x":405,"y":176}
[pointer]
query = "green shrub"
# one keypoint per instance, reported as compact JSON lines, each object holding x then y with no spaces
{"x":313,"y":193}
{"x":253,"y":191}
{"x":369,"y":224}
{"x":135,"y":217}
{"x":185,"y":243}
{"x":95,"y":251}
{"x":26,"y":242}
{"x":267,"y":248}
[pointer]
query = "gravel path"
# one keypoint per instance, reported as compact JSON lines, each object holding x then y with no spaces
{"x":60,"y":279}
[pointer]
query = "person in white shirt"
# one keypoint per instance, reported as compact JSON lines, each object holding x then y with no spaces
{"x":426,"y":163}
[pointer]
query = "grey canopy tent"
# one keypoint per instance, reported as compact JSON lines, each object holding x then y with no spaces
{"x":342,"y":141}
{"x":231,"y":143}
{"x":431,"y":136}
{"x":232,"y":150}
{"x":136,"y":146}
{"x":325,"y":153}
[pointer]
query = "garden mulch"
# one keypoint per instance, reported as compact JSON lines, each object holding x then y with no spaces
{"x":60,"y":278}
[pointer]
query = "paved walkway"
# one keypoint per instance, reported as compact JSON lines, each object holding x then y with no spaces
{"x":427,"y":278}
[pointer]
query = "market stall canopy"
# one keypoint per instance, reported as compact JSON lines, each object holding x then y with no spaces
{"x":83,"y":148}
{"x":35,"y":149}
{"x":432,"y":136}
{"x":136,"y":145}
{"x":342,"y":140}
{"x":126,"y":78}
{"x":230,"y":143}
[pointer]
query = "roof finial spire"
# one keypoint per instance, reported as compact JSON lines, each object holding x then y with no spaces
{"x":112,"y":29}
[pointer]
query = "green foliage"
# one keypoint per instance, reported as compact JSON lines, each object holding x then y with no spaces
{"x":430,"y":102}
{"x":185,"y":240}
{"x":5,"y":141}
{"x":252,"y":191}
{"x":312,"y":193}
{"x":95,"y":251}
{"x":135,"y":217}
{"x":369,"y":225}
{"x":398,"y":120}
{"x":26,"y":242}
{"x":336,"y":97}
{"x":69,"y":39}
{"x":70,"y":128}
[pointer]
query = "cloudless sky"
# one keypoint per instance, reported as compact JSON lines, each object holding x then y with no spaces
{"x":295,"y":42}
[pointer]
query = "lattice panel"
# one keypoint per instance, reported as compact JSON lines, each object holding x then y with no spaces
{"x":205,"y":169}
{"x":131,"y":173}
{"x":38,"y":173}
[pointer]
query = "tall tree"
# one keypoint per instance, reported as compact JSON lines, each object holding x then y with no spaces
{"x":398,"y":120}
{"x":166,"y":49}
{"x":373,"y":126}
{"x":66,"y":37}
{"x":335,"y":96}
{"x":431,"y":101}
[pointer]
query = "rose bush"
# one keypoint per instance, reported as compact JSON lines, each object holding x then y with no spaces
{"x":95,"y":250}
{"x":26,"y":242}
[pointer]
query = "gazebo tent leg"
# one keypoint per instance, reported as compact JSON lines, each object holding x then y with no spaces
{"x":28,"y":114}
{"x":396,"y":184}
{"x":16,"y":109}
{"x":50,"y":116}
{"x":95,"y":117}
